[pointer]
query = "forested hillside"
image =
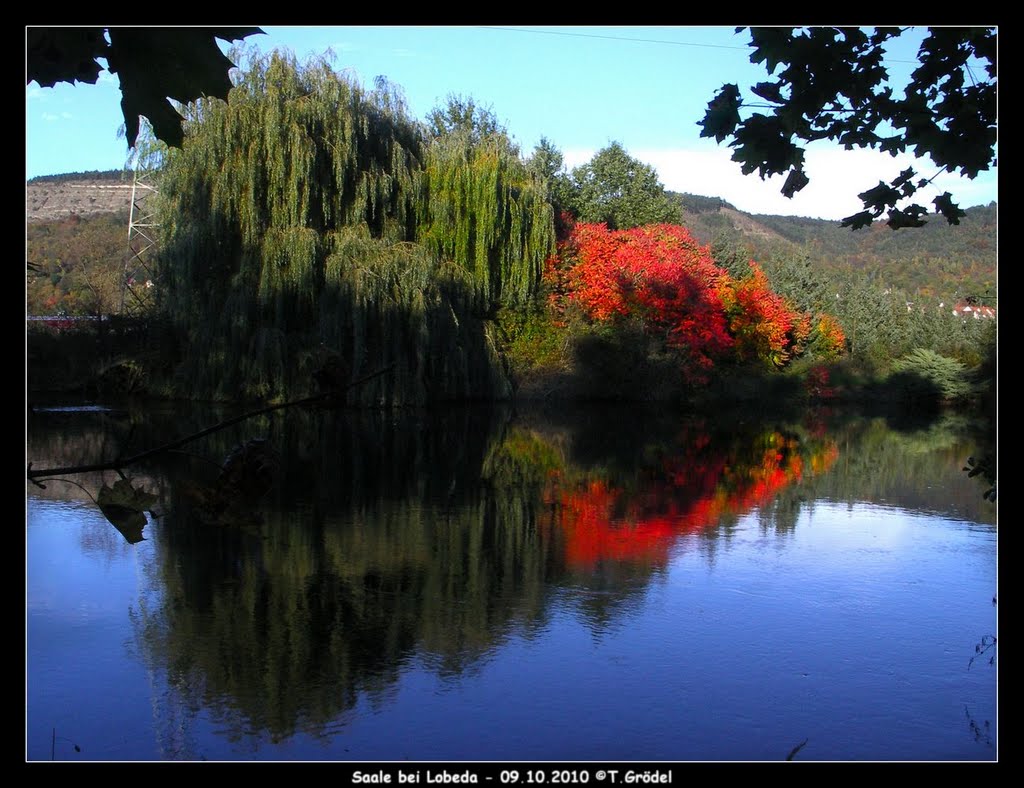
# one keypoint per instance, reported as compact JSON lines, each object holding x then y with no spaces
{"x":56,"y":197}
{"x":939,"y":260}
{"x":75,"y":263}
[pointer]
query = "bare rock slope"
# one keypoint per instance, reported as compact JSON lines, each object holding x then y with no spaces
{"x":51,"y":200}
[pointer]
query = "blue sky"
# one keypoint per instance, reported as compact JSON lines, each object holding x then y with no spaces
{"x":581,"y":87}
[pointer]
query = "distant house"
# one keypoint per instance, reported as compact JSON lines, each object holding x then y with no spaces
{"x":965,"y":310}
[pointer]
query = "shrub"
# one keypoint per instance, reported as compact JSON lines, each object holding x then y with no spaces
{"x":925,"y":374}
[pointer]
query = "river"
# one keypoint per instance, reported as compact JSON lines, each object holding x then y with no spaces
{"x":478,"y":584}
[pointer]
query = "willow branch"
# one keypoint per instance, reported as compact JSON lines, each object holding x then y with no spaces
{"x":114,"y":465}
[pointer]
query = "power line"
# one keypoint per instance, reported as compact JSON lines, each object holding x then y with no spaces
{"x":613,"y":38}
{"x":638,"y":40}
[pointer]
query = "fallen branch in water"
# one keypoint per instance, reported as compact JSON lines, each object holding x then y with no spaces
{"x":115,"y":465}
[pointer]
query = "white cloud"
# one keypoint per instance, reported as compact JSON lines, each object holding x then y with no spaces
{"x":574,"y":157}
{"x":51,"y":117}
{"x":836,"y":175}
{"x":106,"y":78}
{"x":36,"y":93}
{"x":403,"y":52}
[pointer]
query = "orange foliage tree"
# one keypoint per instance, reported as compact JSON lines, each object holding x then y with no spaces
{"x":661,"y":278}
{"x":658,"y":275}
{"x":765,"y":326}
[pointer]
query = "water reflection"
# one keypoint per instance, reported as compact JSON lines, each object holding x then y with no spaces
{"x":434,"y":539}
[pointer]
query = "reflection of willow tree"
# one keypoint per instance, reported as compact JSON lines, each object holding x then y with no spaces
{"x":390,"y":546}
{"x":307,"y":210}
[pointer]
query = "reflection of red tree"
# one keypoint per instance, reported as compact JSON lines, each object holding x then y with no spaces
{"x":595,"y":530}
{"x":690,"y":491}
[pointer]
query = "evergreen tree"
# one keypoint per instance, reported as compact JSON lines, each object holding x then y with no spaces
{"x":547,"y":161}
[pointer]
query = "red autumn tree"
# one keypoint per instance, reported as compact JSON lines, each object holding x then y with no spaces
{"x":762,"y":322}
{"x":689,"y":490}
{"x":660,"y":278}
{"x":658,"y":275}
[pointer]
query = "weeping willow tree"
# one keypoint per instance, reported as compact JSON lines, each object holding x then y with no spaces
{"x":484,"y":210}
{"x":309,"y":215}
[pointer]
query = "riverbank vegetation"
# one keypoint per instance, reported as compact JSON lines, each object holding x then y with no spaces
{"x":310,"y":221}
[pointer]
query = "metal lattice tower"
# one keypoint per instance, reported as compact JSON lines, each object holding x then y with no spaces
{"x":137,"y":282}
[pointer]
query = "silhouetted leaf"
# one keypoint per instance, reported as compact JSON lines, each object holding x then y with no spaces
{"x":129,"y":522}
{"x":123,"y":494}
{"x":764,"y":143}
{"x":879,"y":198}
{"x":153,"y":64}
{"x":908,"y":217}
{"x":858,"y":220}
{"x":63,"y":54}
{"x":832,"y":85}
{"x":123,"y":506}
{"x":722,"y":115}
{"x":770,"y":91}
{"x":902,"y":182}
{"x":794,"y":183}
{"x":771,"y":44}
{"x":944,"y":204}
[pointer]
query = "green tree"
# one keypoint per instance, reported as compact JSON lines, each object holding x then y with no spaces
{"x":307,"y":210}
{"x":796,"y":278}
{"x":548,"y":164}
{"x":487,"y":213}
{"x":620,"y":191}
{"x":153,"y":64}
{"x":833,"y":86}
{"x":461,"y":114}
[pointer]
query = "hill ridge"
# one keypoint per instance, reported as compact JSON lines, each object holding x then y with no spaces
{"x":55,"y":197}
{"x":935,"y":259}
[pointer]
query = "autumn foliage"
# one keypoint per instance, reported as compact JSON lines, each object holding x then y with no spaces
{"x":685,"y":492}
{"x":659,"y":277}
{"x":763,"y":324}
{"x":830,"y":342}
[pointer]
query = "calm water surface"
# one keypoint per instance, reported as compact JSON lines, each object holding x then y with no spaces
{"x":482,"y":585}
